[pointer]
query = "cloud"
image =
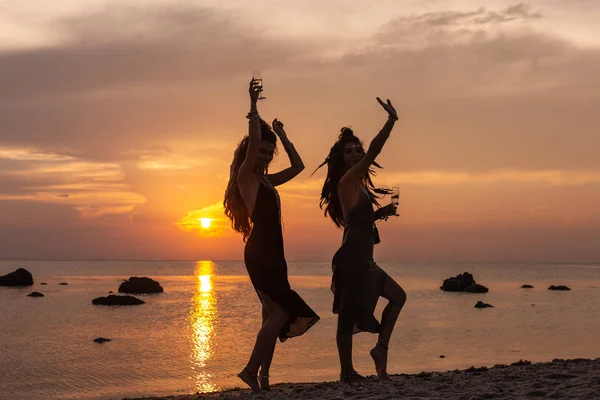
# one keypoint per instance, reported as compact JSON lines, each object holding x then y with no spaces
{"x":451,"y":27}
{"x":126,"y":73}
{"x":91,"y":188}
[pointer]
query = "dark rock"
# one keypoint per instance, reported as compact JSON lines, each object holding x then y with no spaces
{"x":442,"y":356}
{"x":63,"y":283}
{"x":113,"y":300}
{"x":110,"y":292}
{"x":559,"y":287}
{"x":527,"y":287}
{"x":142,"y":285}
{"x":102,"y":340}
{"x":476,"y":288}
{"x":481,"y":304}
{"x":43,"y":283}
{"x":463,"y":283}
{"x":35,"y":294}
{"x":20,"y":277}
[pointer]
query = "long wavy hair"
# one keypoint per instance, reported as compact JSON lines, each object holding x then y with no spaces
{"x":336,"y":169}
{"x":233,"y":203}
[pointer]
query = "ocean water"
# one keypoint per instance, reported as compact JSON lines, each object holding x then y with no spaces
{"x":198,"y":334}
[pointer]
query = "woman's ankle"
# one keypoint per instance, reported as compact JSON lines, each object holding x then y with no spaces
{"x":384,"y":346}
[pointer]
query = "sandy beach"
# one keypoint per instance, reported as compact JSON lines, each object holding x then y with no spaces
{"x":559,"y":379}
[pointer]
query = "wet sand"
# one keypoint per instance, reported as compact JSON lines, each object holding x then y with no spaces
{"x":559,"y":379}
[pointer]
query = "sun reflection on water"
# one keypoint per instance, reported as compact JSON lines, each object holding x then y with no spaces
{"x":202,"y":322}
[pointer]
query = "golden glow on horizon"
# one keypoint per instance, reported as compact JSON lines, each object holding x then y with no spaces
{"x":201,"y":324}
{"x":208,"y":221}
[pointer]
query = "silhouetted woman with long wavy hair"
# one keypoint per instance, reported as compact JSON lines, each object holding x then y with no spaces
{"x":252,"y":204}
{"x":348,"y":197}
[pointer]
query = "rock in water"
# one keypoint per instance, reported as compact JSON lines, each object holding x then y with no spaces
{"x":559,"y":287}
{"x":476,"y":288}
{"x":481,"y":304}
{"x":35,"y":294}
{"x":463,"y":283}
{"x":102,"y":340}
{"x":527,"y":287}
{"x":113,"y":300}
{"x":20,"y":277}
{"x":142,"y":285}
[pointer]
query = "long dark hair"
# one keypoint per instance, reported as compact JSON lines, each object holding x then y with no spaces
{"x":330,"y":200}
{"x":233,"y":203}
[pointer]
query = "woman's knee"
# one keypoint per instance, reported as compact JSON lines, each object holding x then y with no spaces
{"x":399,"y":298}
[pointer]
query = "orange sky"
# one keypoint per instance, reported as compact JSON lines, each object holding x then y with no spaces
{"x":118,"y":124}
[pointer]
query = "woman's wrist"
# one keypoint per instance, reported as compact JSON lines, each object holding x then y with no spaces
{"x":252,"y":115}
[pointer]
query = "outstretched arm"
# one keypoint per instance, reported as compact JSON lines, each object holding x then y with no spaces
{"x":283,"y":176}
{"x":247,"y":166}
{"x":355,"y":174}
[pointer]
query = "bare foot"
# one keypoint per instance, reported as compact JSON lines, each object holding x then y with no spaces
{"x":250,"y":379}
{"x":263,"y":380}
{"x":379,"y":355}
{"x":351,"y":377}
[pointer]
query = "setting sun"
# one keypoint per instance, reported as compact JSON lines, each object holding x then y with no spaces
{"x":205,"y":222}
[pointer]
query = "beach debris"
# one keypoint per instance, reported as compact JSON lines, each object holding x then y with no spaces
{"x":559,"y":287}
{"x":101,"y":340}
{"x":35,"y":294}
{"x":19,"y":277}
{"x":442,"y":356}
{"x":143,"y":285}
{"x":527,"y":287}
{"x":463,"y":283}
{"x":63,"y":283}
{"x":481,"y":304}
{"x":114,"y":300}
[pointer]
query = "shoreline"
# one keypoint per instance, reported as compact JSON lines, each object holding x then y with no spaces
{"x":575,"y":379}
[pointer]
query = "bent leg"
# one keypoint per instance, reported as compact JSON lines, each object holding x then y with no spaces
{"x":397,"y":298}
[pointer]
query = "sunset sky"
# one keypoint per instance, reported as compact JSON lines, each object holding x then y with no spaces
{"x":118,"y":122}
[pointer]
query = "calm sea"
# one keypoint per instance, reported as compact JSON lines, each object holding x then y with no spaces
{"x":198,"y":334}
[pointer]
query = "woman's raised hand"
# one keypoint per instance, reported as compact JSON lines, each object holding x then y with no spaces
{"x":389,"y":108}
{"x":278,"y":127}
{"x":254,"y":90}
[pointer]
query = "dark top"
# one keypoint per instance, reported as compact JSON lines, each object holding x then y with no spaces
{"x":266,"y":265}
{"x":357,"y":280}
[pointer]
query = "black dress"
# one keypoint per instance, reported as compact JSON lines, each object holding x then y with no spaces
{"x":357,"y":280}
{"x":266,"y":265}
